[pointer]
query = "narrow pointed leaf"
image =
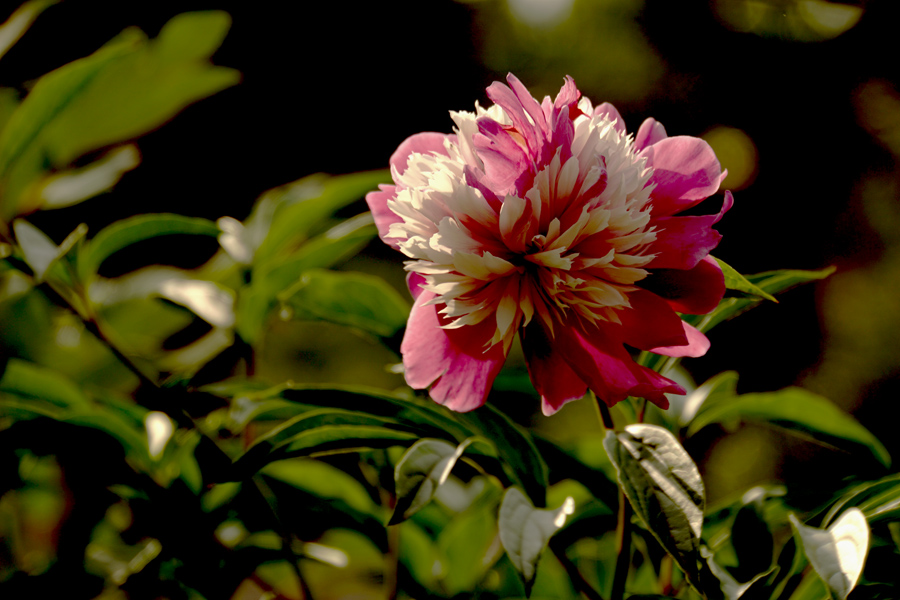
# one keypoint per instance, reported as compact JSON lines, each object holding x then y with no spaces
{"x":663,"y":485}
{"x":526,"y":530}
{"x":737,"y":282}
{"x":421,"y":471}
{"x":19,"y":22}
{"x":839,"y":552}
{"x":794,"y":409}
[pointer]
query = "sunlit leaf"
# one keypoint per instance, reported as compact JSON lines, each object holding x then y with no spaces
{"x":17,"y":24}
{"x":423,"y":468}
{"x":720,"y":387}
{"x":515,"y":448}
{"x":663,"y":485}
{"x":39,"y":250}
{"x":839,"y":552}
{"x":526,"y":530}
{"x":736,"y":281}
{"x":794,"y":409}
{"x":354,"y":299}
{"x":135,"y":229}
{"x":302,"y":206}
{"x":72,"y":186}
{"x":145,"y":88}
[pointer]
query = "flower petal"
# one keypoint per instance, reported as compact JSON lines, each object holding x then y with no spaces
{"x":384,"y":216}
{"x":601,"y":361}
{"x":697,"y":345}
{"x":650,"y":132}
{"x":650,"y":322}
{"x":694,"y":291}
{"x":682,"y":242}
{"x":551,"y":375}
{"x":454,"y":360}
{"x":428,"y":142}
{"x":609,"y":111}
{"x":686,"y":171}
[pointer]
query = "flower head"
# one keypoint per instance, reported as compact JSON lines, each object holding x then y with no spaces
{"x":547,"y":219}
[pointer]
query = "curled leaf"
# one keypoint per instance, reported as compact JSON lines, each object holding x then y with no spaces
{"x":423,"y":468}
{"x":839,"y":552}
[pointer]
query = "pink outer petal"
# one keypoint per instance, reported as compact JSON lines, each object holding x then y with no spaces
{"x":681,"y":242}
{"x":609,"y":111}
{"x":552,"y":377}
{"x":650,"y":322}
{"x":414,"y":282}
{"x":686,"y":171}
{"x":384,"y":217}
{"x":608,"y":369}
{"x":451,"y":359}
{"x":423,"y":143}
{"x":698,"y":344}
{"x":650,"y":132}
{"x":695,"y":291}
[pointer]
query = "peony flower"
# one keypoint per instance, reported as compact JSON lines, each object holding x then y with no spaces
{"x":549,"y":220}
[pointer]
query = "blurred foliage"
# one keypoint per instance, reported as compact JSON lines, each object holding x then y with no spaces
{"x":240,"y":429}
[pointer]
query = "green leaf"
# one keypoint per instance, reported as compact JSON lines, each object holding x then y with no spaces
{"x":839,"y":552}
{"x":468,"y":546}
{"x":324,"y":481}
{"x":50,"y":96}
{"x":715,"y":389}
{"x":515,"y":448}
{"x":135,"y":229}
{"x":39,"y":251}
{"x":663,"y":485}
{"x":352,"y":299}
{"x":145,"y":88}
{"x":526,"y":530}
{"x":736,"y":281}
{"x":320,"y":431}
{"x":796,"y":410}
{"x":770,"y":282}
{"x":30,"y":381}
{"x":300,"y":207}
{"x":423,"y":468}
{"x":19,"y":22}
{"x":730,"y":588}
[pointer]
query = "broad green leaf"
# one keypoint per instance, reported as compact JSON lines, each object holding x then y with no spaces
{"x":736,"y":281}
{"x":281,"y":275}
{"x":50,"y":96}
{"x":794,"y":409}
{"x":419,"y":554}
{"x":135,"y":229}
{"x":301,"y":207}
{"x":839,"y":552}
{"x":526,"y":530}
{"x":663,"y":485}
{"x":467,"y":546}
{"x":17,"y":24}
{"x":421,"y":471}
{"x":879,"y":500}
{"x":353,"y":299}
{"x":144,"y":89}
{"x":324,"y":481}
{"x":515,"y":448}
{"x":30,"y":381}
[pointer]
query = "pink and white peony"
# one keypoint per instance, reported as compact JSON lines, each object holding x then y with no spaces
{"x":547,"y":219}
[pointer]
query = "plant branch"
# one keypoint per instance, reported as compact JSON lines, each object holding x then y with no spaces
{"x":623,"y":548}
{"x":603,"y":413}
{"x":581,"y":584}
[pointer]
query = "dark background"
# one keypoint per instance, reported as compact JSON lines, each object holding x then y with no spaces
{"x":334,"y":87}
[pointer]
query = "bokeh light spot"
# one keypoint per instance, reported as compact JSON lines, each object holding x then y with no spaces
{"x":737,"y":153}
{"x":541,"y":13}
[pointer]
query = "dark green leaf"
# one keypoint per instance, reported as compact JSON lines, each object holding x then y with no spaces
{"x":515,"y":448}
{"x":663,"y":485}
{"x":736,"y":281}
{"x":353,"y":299}
{"x":135,"y":229}
{"x":526,"y":530}
{"x":30,"y":381}
{"x":423,"y":468}
{"x":796,"y":410}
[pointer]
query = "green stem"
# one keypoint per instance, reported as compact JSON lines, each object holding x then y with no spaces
{"x":603,"y":413}
{"x":623,"y":548}
{"x":578,"y":581}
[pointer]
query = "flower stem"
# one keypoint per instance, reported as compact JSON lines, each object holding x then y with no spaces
{"x":623,"y":548}
{"x":603,"y":413}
